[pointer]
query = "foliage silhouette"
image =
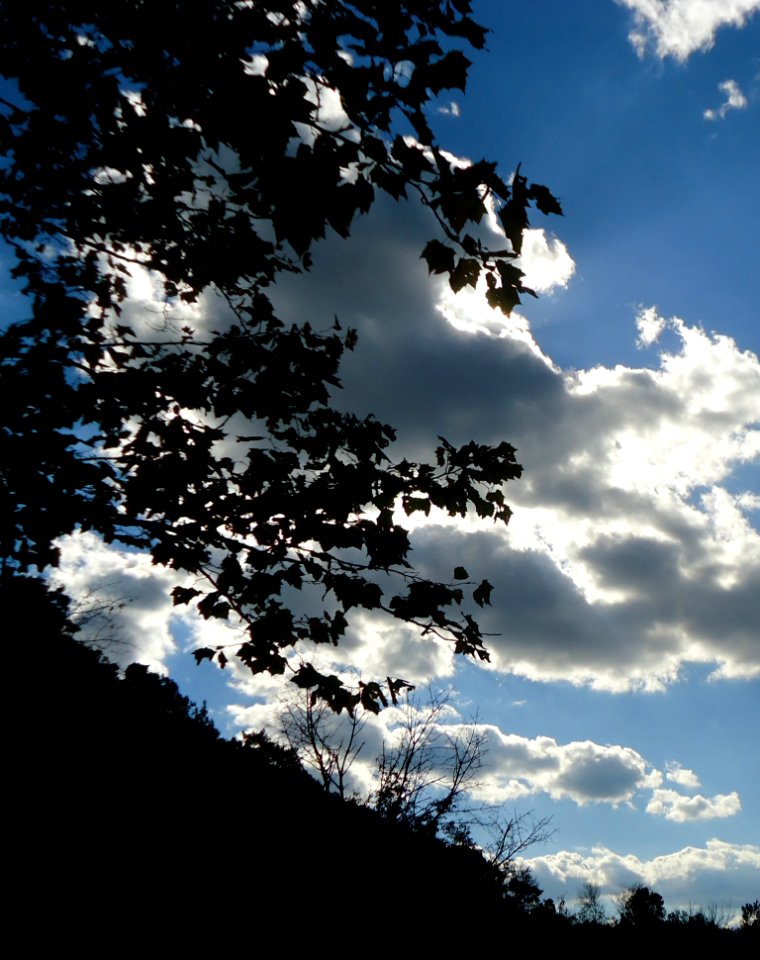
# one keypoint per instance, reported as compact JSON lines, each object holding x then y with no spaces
{"x":751,"y":916}
{"x":641,"y":907}
{"x":750,"y":924}
{"x":522,"y":890}
{"x":591,"y":907}
{"x":207,"y":150}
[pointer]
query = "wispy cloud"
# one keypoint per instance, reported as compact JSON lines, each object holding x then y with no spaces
{"x":735,"y":100}
{"x":678,"y":28}
{"x":680,"y":775}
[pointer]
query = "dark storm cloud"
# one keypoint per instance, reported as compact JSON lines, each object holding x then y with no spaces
{"x":611,"y":571}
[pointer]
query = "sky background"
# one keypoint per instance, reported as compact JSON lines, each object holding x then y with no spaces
{"x":624,"y":691}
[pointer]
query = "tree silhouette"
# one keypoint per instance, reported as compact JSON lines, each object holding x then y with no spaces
{"x":423,"y":777}
{"x":207,"y":150}
{"x":424,"y":773}
{"x":641,"y":907}
{"x":523,"y":893}
{"x":751,"y":916}
{"x":308,"y":728}
{"x":590,"y":904}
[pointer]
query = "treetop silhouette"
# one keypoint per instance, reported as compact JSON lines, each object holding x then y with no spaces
{"x":211,"y":146}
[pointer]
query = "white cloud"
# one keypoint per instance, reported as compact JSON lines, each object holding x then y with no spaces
{"x":675,"y":806}
{"x":680,"y":775}
{"x":512,"y":766}
{"x":650,"y":325}
{"x":735,"y":100}
{"x":135,"y":100}
{"x":147,"y":310}
{"x":450,"y":109}
{"x":545,"y":261}
{"x":120,"y":599}
{"x":719,"y":872}
{"x":582,"y":771}
{"x":377,"y":647}
{"x":547,"y":267}
{"x":330,"y":114}
{"x":678,"y":28}
{"x":372,"y":647}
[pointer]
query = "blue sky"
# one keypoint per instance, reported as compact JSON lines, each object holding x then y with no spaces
{"x":661,"y":204}
{"x":624,"y":694}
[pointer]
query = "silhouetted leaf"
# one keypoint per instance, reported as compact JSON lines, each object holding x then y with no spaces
{"x":544,"y":199}
{"x":184,"y":595}
{"x":482,"y":594}
{"x":396,"y":686}
{"x":465,"y":273}
{"x":449,"y":73}
{"x":439,"y":257}
{"x":203,"y":653}
{"x":503,"y":298}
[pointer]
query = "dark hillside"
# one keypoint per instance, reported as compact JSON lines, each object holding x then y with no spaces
{"x":142,"y":819}
{"x":134,"y":823}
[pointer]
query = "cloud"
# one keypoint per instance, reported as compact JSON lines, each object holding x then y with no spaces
{"x":545,"y":261}
{"x":719,"y":872}
{"x":650,"y":325}
{"x":510,"y":766}
{"x":581,"y":771}
{"x":630,"y":553}
{"x":678,"y":28}
{"x":626,"y":556}
{"x":121,"y":601}
{"x":450,"y":109}
{"x":680,"y":775}
{"x":674,"y":806}
{"x":377,"y":647}
{"x":603,"y":774}
{"x":735,"y":100}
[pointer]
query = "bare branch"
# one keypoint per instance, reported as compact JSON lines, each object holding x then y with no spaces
{"x":511,"y":836}
{"x":425,"y":774}
{"x":310,"y":729}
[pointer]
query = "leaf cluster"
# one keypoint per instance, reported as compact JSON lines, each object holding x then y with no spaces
{"x":200,"y":149}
